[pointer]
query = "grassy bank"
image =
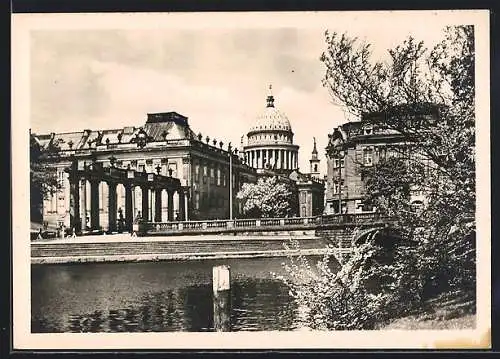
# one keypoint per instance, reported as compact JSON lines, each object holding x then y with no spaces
{"x":451,"y":310}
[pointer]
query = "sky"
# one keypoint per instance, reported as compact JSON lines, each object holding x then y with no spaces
{"x":217,"y":76}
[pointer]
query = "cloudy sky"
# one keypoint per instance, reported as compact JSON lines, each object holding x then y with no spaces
{"x":216,"y":76}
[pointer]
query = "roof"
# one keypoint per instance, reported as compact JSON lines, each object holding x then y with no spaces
{"x":158,"y":127}
{"x":271,"y":119}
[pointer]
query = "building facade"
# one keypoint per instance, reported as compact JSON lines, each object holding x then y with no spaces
{"x":164,"y":145}
{"x":356,"y":145}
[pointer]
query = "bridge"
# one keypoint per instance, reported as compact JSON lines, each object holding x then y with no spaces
{"x":216,"y":239}
{"x":343,"y":230}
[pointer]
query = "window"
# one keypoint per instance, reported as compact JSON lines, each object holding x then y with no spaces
{"x":368,"y":156}
{"x":197,"y":172}
{"x":417,"y":206}
{"x":336,"y":162}
{"x":224,"y":180}
{"x":336,"y":187}
{"x":315,"y":168}
{"x":382,"y":153}
{"x":141,"y":168}
{"x":205,"y":170}
{"x":197,"y":200}
{"x":218,"y":177}
{"x":173,"y":167}
{"x":368,"y":130}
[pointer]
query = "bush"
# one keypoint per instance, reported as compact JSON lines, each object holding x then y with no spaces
{"x":374,"y":285}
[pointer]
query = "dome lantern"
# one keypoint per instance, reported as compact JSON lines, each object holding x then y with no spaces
{"x":270,"y":97}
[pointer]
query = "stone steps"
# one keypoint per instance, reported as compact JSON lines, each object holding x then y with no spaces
{"x":164,"y":247}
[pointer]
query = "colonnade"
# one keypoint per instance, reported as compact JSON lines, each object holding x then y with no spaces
{"x":149,"y":183}
{"x":279,"y":158}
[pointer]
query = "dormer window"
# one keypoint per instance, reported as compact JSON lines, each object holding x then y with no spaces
{"x":368,"y":130}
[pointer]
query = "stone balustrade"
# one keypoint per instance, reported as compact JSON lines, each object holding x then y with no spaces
{"x":242,"y":225}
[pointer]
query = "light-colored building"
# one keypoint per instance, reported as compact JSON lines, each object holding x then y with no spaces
{"x":166,"y":145}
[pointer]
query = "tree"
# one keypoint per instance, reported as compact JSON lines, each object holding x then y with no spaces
{"x":43,"y":176}
{"x":404,"y":90}
{"x":415,"y":82}
{"x":267,"y":198}
{"x":407,"y":87}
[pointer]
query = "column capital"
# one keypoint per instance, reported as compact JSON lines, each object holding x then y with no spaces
{"x":171,"y":191}
{"x":111,"y":182}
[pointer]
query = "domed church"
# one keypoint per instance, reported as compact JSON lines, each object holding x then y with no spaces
{"x":270,"y":150}
{"x":270,"y":141}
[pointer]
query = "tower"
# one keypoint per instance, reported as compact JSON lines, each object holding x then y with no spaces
{"x":314,"y":161}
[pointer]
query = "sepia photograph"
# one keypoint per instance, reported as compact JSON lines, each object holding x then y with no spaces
{"x":251,"y":180}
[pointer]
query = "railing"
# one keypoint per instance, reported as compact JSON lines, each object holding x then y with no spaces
{"x":262,"y":223}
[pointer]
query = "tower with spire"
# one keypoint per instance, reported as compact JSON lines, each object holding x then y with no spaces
{"x":314,"y":161}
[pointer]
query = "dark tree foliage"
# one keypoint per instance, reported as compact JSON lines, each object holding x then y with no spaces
{"x":428,"y":97}
{"x":43,"y":175}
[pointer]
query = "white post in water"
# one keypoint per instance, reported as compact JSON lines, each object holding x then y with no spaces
{"x":222,"y":298}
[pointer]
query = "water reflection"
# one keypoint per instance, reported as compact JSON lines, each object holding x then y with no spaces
{"x":156,"y":297}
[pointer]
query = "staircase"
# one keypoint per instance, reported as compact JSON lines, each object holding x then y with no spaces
{"x":143,"y":249}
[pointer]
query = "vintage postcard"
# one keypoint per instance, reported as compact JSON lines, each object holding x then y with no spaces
{"x":256,"y":180}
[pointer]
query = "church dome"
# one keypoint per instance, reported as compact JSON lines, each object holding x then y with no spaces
{"x":271,"y":119}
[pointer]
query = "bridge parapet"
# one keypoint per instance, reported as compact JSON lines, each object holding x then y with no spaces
{"x":263,"y":224}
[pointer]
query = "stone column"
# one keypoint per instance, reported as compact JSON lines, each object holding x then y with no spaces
{"x":129,"y":214}
{"x":182,"y":205}
{"x":145,"y":203}
{"x":170,"y":204}
{"x":74,"y":202}
{"x":112,"y":207}
{"x":158,"y":205}
{"x":186,"y":204}
{"x":94,"y":204}
{"x":83,"y":215}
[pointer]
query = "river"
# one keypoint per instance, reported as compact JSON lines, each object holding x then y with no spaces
{"x":157,"y":296}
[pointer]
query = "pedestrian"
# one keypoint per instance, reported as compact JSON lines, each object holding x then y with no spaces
{"x":73,"y":235}
{"x":135,"y":226}
{"x":39,"y":233}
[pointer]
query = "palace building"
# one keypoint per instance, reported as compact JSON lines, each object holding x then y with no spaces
{"x":359,"y":144}
{"x":164,"y":171}
{"x":165,"y":145}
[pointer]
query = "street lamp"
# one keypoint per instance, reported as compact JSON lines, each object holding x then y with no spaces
{"x":230,"y":181}
{"x":341,"y":157}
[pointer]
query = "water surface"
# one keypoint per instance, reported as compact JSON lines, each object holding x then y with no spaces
{"x":157,"y":296}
